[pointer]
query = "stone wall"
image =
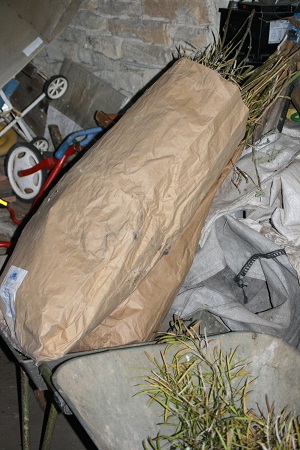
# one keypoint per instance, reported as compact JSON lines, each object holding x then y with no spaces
{"x":127,"y":43}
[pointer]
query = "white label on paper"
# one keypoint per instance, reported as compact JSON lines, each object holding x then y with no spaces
{"x":277,"y":31}
{"x":9,"y":287}
{"x":33,"y":46}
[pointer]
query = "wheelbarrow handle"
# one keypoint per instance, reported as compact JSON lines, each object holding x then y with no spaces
{"x":89,"y":135}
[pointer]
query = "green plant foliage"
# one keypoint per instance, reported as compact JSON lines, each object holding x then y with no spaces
{"x":203,"y":395}
{"x":260,"y":86}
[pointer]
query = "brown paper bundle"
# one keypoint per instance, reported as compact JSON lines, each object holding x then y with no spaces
{"x":140,"y":316}
{"x":122,"y":208}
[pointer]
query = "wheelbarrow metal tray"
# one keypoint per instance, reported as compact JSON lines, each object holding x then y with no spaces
{"x":26,"y":28}
{"x":100,"y":388}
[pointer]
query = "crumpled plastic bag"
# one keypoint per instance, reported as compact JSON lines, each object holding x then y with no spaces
{"x":266,"y":298}
{"x":268,"y":220}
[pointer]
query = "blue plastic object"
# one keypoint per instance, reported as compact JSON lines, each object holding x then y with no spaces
{"x":293,"y":31}
{"x":89,"y":135}
{"x":8,"y":89}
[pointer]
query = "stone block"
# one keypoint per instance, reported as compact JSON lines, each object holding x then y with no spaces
{"x":146,"y":55}
{"x":86,"y":56}
{"x":46,"y":66}
{"x":89,"y":4}
{"x":120,"y":7}
{"x":152,"y":31}
{"x":53,"y":68}
{"x":103,"y":62}
{"x":59,"y":50}
{"x":129,"y":82}
{"x":98,"y":32}
{"x":189,"y":37}
{"x":110,"y":46}
{"x":178,"y":10}
{"x":88,"y":20}
{"x":74,"y":34}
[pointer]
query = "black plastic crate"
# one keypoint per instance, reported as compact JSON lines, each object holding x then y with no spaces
{"x":265,"y":28}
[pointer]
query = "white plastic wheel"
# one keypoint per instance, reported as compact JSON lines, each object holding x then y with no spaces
{"x":23,"y":156}
{"x":41,"y":144}
{"x":56,"y":87}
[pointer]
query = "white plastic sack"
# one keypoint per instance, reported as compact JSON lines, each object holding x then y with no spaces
{"x":266,"y":299}
{"x":273,"y":214}
{"x":276,"y":213}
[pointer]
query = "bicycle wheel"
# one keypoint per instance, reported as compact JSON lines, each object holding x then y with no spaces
{"x":41,"y":144}
{"x":56,"y":87}
{"x":23,"y":156}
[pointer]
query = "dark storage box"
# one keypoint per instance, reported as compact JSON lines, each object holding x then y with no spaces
{"x":267,"y":30}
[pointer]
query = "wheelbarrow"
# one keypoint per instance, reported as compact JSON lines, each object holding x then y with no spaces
{"x":100,"y":388}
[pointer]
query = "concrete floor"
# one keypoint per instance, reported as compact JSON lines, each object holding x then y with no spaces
{"x":68,"y":433}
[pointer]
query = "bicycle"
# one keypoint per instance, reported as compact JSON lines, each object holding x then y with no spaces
{"x":31,"y":175}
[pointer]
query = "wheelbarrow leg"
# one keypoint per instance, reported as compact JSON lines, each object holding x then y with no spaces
{"x":49,"y":417}
{"x":25,"y":428}
{"x":50,"y":421}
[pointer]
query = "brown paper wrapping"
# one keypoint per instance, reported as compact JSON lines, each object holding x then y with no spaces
{"x":121,"y":209}
{"x":139,"y":317}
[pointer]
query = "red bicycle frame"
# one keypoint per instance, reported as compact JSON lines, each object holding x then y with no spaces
{"x":54,"y":165}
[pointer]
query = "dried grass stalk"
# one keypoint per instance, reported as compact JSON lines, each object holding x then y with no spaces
{"x":261,"y":86}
